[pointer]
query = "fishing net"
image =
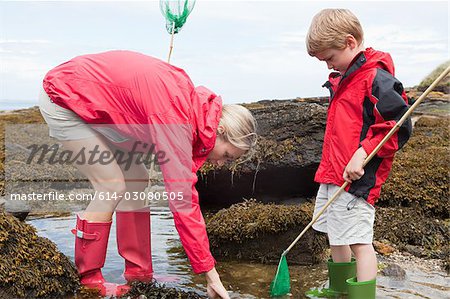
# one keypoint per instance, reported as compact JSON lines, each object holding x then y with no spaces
{"x":176,"y":13}
{"x":281,"y":285}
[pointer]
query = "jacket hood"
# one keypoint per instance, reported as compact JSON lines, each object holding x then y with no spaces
{"x":207,"y":109}
{"x":378,"y":59}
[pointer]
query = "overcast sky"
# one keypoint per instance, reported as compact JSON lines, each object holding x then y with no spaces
{"x":243,"y":50}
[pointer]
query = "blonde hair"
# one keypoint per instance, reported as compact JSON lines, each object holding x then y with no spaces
{"x":239,"y":127}
{"x":329,"y":29}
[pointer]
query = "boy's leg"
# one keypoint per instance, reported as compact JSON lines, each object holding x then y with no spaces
{"x":366,"y":261}
{"x":341,"y":253}
{"x":321,"y":199}
{"x":350,"y":221}
{"x":340,"y":266}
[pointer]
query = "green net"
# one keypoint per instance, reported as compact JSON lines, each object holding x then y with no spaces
{"x":176,"y":13}
{"x":281,"y":284}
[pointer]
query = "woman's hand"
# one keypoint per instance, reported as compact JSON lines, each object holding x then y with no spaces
{"x":215,"y":288}
{"x":354,"y":169}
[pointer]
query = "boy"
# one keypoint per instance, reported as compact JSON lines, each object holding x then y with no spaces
{"x":366,"y":101}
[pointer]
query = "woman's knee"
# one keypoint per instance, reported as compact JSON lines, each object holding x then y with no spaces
{"x":137,"y":178}
{"x":111,"y":185}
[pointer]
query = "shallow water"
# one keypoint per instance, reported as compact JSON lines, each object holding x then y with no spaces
{"x":243,"y":280}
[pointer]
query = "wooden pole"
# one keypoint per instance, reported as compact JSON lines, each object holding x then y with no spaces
{"x":171,"y":43}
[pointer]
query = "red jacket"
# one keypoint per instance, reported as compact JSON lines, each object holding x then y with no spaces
{"x":365,"y":103}
{"x":149,"y":100}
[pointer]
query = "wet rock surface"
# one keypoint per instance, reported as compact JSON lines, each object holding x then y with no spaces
{"x":246,"y":231}
{"x":395,"y":271}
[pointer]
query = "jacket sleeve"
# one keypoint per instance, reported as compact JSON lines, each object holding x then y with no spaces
{"x":389,"y":105}
{"x":192,"y":230}
{"x":173,"y":142}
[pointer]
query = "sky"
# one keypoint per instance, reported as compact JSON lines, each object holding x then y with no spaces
{"x":244,"y":51}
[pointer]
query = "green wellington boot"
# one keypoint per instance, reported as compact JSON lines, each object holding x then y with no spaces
{"x":361,"y":290}
{"x":338,"y":273}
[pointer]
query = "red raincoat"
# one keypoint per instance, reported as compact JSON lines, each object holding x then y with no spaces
{"x":365,"y":104}
{"x":149,"y":99}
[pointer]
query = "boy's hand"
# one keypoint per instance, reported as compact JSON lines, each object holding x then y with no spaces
{"x":354,"y":169}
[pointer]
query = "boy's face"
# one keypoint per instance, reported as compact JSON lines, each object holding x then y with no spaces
{"x":338,"y":60}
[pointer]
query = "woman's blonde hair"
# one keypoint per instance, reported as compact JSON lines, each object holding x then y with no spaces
{"x":239,"y":127}
{"x":330,"y":28}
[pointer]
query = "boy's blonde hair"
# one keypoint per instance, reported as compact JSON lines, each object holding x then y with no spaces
{"x":329,"y":29}
{"x":240,"y":127}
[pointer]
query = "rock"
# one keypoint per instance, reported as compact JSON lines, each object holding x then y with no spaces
{"x":20,"y":215}
{"x":19,"y":209}
{"x":410,"y":230}
{"x":419,"y":176}
{"x":415,"y":250}
{"x":286,"y":158}
{"x":443,"y":86}
{"x":382,"y":248}
{"x":259,"y":232}
{"x":394,"y":271}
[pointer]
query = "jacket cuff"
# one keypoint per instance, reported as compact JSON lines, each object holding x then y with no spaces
{"x":199,"y":268}
{"x":367,"y":146}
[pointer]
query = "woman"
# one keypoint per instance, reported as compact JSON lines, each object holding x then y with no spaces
{"x":123,"y":105}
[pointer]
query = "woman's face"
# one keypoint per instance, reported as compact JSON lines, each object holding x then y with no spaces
{"x":224,"y":152}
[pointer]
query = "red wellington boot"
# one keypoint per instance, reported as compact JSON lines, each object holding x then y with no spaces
{"x":91,"y":242}
{"x":134,"y":243}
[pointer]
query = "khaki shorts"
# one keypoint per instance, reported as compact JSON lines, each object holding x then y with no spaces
{"x":348,"y":220}
{"x":63,"y":123}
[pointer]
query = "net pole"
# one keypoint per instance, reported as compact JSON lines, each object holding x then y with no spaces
{"x":171,"y":43}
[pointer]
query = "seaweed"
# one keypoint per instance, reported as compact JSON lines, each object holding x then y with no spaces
{"x":247,"y":230}
{"x":32,"y":266}
{"x":420,"y":172}
{"x":155,"y":290}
